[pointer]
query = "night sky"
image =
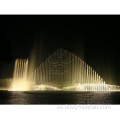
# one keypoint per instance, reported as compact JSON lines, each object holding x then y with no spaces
{"x":93,"y":38}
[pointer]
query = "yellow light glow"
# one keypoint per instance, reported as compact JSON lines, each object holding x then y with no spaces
{"x":20,"y":85}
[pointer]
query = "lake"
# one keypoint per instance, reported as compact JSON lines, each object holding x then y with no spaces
{"x":58,"y":97}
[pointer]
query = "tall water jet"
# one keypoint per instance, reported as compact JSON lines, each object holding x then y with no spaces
{"x":20,"y":76}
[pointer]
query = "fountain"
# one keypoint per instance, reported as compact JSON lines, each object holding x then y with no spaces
{"x":20,"y":78}
{"x":61,"y":71}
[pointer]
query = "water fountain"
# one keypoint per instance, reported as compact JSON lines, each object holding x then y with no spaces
{"x":61,"y":71}
{"x":20,"y":78}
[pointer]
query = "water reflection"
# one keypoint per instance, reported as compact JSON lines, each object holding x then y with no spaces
{"x":58,"y":97}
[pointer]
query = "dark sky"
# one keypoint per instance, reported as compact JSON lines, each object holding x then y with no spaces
{"x":93,"y":38}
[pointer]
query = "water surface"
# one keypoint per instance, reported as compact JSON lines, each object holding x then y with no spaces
{"x":58,"y":97}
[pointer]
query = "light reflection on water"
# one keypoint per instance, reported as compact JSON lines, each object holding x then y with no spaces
{"x":58,"y":97}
